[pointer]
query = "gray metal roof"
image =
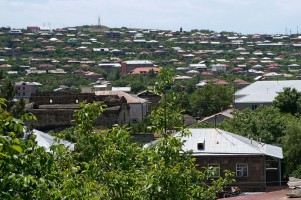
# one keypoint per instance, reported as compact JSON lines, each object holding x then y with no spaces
{"x":137,"y":62}
{"x":220,"y":142}
{"x":265,"y":91}
{"x":46,"y":140}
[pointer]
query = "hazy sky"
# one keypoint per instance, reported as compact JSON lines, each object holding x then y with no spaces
{"x":243,"y":16}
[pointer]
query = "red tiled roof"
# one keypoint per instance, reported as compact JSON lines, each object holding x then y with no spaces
{"x":144,"y":70}
{"x":207,"y":74}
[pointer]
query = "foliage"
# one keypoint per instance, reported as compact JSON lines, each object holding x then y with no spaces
{"x":297,"y":173}
{"x":204,"y":125}
{"x":292,"y":146}
{"x":15,"y":107}
{"x":288,"y":101}
{"x":266,"y":123}
{"x":210,"y":99}
{"x":8,"y":92}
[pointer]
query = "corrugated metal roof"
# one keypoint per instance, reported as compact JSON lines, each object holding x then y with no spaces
{"x":46,"y":140}
{"x":136,"y":62}
{"x":220,"y":142}
{"x":265,"y":91}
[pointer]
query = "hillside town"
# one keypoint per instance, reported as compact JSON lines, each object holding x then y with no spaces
{"x":238,"y":95}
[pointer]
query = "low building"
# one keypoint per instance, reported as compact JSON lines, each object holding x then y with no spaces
{"x":108,"y":67}
{"x":144,"y":70}
{"x":262,"y":93}
{"x":128,"y":66}
{"x":218,"y":68}
{"x":218,"y":117}
{"x":56,"y":109}
{"x":25,"y":89}
{"x":138,"y":106}
{"x":151,"y":97}
{"x":256,"y":165}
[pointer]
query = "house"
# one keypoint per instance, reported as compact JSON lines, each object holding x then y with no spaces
{"x":262,"y":93}
{"x":128,"y":66}
{"x":56,"y":109}
{"x":218,"y":117}
{"x":218,"y":68}
{"x":101,"y":50}
{"x":15,"y":32}
{"x":238,"y":83}
{"x":25,"y":89}
{"x":151,"y":97}
{"x":256,"y":165}
{"x":200,"y":67}
{"x":33,"y":28}
{"x":123,"y":89}
{"x":144,"y":70}
{"x":138,"y":107}
{"x":113,"y":34}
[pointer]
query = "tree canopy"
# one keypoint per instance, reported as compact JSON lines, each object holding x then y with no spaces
{"x":288,"y":101}
{"x":210,"y":99}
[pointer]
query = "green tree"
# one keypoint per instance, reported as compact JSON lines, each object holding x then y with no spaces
{"x":266,"y":123}
{"x":8,"y":92}
{"x":19,"y":108}
{"x":210,"y":99}
{"x":292,"y":147}
{"x":151,"y":73}
{"x":288,"y":101}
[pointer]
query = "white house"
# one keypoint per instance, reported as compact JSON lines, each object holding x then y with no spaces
{"x":218,"y":68}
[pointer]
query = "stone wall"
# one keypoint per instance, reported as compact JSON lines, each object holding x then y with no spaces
{"x":255,"y":181}
{"x":64,"y":98}
{"x":60,"y":110}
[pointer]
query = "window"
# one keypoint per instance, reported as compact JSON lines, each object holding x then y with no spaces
{"x":214,"y":169}
{"x":241,"y":170}
{"x":254,"y":107}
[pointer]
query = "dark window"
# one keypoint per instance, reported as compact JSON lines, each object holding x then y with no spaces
{"x":254,"y":107}
{"x":242,"y":170}
{"x":201,"y":146}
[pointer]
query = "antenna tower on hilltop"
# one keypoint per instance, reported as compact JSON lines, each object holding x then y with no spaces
{"x":99,"y":24}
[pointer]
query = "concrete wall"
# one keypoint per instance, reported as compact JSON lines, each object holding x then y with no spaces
{"x":138,"y":111}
